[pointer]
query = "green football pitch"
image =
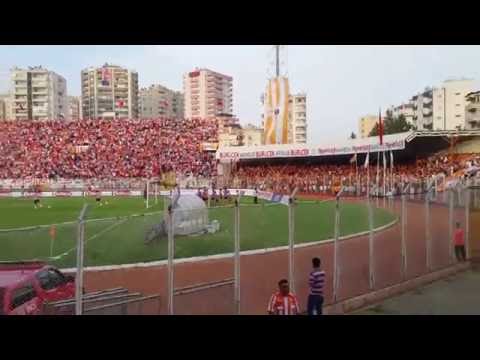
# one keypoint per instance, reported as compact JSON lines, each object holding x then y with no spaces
{"x":115,"y":232}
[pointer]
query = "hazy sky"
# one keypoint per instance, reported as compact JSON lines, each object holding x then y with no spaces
{"x":342,"y":82}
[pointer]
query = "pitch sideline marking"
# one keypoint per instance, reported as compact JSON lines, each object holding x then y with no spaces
{"x":228,"y":255}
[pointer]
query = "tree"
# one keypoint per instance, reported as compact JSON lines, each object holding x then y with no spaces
{"x":392,"y":125}
{"x":353,"y":136}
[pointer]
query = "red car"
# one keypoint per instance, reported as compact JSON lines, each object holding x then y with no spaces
{"x":26,"y":286}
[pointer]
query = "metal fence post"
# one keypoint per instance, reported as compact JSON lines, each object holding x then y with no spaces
{"x":80,"y":258}
{"x":467,"y":223}
{"x":404,"y":242}
{"x":450,"y":226}
{"x":237,"y":257}
{"x":171,"y":252}
{"x":371,"y":267}
{"x":427,"y":230}
{"x":291,"y":243}
{"x":336,"y":271}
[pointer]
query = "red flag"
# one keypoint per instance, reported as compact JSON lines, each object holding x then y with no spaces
{"x":380,"y":126}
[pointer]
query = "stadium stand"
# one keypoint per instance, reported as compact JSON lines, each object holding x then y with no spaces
{"x":105,"y":149}
{"x":312,"y":178}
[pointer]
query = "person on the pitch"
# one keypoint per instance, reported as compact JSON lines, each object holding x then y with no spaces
{"x":36,"y":202}
{"x":98,"y":199}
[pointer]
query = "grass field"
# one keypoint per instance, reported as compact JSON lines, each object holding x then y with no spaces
{"x":115,"y":232}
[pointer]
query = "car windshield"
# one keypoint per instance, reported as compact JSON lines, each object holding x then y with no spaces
{"x":2,"y":293}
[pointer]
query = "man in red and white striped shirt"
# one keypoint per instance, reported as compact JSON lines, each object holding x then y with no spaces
{"x":283,"y":302}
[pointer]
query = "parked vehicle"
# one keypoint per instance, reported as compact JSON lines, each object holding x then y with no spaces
{"x":26,"y":286}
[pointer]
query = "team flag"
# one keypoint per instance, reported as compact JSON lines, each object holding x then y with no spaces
{"x":353,"y":159}
{"x":380,"y":126}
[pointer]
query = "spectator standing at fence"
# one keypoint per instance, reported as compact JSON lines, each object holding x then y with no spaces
{"x":283,"y":302}
{"x":459,"y":242}
{"x":316,"y":282}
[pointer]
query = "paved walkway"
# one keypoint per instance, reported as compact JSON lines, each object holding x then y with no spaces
{"x":456,"y":295}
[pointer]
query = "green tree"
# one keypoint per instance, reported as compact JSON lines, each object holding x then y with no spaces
{"x":392,"y":125}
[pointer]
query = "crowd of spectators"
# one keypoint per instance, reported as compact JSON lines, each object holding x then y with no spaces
{"x":105,"y":149}
{"x":326,"y":177}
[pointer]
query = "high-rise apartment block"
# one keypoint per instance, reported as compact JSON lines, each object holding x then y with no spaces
{"x":297,"y":119}
{"x":74,"y":108}
{"x":443,"y":107}
{"x":207,"y":94}
{"x":472,"y":111}
{"x":38,"y":94}
{"x":159,"y":101}
{"x":449,"y":102}
{"x":109,"y":92}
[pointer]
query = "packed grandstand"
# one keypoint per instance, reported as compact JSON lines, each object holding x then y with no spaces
{"x":125,"y":153}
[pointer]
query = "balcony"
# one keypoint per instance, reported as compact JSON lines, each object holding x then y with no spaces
{"x":427,"y":112}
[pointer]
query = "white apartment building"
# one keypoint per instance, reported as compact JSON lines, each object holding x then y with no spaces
{"x":297,"y":119}
{"x":109,"y":92}
{"x":207,"y":94}
{"x":472,"y":111}
{"x":38,"y":94}
{"x":443,"y":107}
{"x":406,"y":110}
{"x":74,"y":108}
{"x":449,"y":102}
{"x":366,"y":124}
{"x":422,"y":104}
{"x":159,"y":101}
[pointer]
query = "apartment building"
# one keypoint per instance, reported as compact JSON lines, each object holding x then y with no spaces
{"x":38,"y":94}
{"x":159,"y":101}
{"x":449,"y":102}
{"x":472,"y":111}
{"x":297,"y":119}
{"x":207,"y":94}
{"x":109,"y":92}
{"x":366,"y":124}
{"x":442,"y":107}
{"x":74,"y":108}
{"x":252,"y":135}
{"x":406,"y":110}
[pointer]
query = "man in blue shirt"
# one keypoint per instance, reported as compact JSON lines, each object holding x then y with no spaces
{"x":316,"y":282}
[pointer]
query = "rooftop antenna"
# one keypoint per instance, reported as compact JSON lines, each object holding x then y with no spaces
{"x":277,"y":60}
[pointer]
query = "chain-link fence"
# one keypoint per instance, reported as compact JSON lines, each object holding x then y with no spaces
{"x":227,"y":256}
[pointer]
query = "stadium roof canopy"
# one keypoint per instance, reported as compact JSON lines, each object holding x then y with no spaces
{"x":431,"y":140}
